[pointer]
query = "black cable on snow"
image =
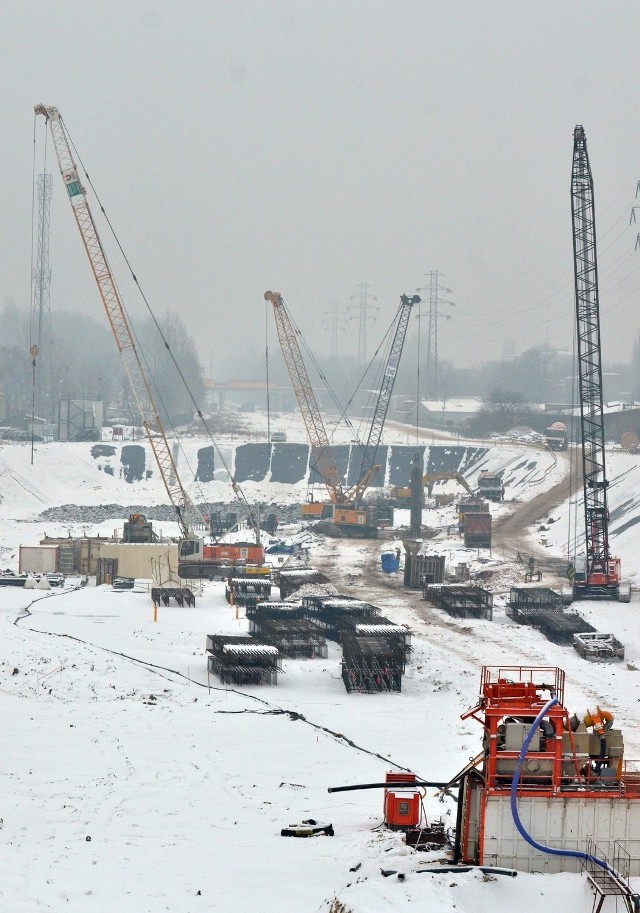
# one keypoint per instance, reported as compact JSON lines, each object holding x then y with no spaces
{"x":293,"y":715}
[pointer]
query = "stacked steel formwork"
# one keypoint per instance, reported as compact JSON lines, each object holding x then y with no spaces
{"x":240,"y":660}
{"x":295,"y":638}
{"x":181,"y":595}
{"x":247,"y":590}
{"x":290,"y":580}
{"x":421,"y":569}
{"x":286,"y":626}
{"x":332,"y":613}
{"x":461,"y":601}
{"x":372,"y":664}
{"x":543,"y":608}
{"x":273,"y":610}
{"x":378,"y":627}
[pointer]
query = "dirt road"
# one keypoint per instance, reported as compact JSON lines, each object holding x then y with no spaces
{"x":510,"y":533}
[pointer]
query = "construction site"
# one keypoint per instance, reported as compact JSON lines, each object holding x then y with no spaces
{"x":319,"y":578}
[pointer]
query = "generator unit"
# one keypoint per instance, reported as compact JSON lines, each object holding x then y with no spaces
{"x":573,"y":784}
{"x":401,"y":806}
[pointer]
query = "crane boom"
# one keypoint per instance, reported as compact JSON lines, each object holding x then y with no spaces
{"x":322,"y":457}
{"x":601,"y":576}
{"x":184,"y":507}
{"x":367,"y":470}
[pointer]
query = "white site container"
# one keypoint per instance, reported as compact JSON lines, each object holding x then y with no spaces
{"x":38,"y":559}
{"x":561,"y":823}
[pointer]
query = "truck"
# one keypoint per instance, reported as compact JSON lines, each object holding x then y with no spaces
{"x":556,"y":436}
{"x":490,"y":486}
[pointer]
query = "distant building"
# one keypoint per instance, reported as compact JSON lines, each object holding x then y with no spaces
{"x":450,"y":412}
{"x":79,"y":420}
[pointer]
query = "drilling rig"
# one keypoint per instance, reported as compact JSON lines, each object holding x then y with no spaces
{"x":596,"y":575}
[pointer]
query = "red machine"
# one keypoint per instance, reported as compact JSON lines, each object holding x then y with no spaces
{"x":573,"y":780}
{"x":401,"y":806}
{"x":236,"y":551}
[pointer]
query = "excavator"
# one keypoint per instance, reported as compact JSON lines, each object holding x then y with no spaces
{"x":344,"y":507}
{"x":429,"y":480}
{"x":196,"y":559}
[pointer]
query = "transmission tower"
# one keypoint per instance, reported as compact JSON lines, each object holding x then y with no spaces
{"x":334,"y":318}
{"x":435,"y":291}
{"x":365,"y":305}
{"x":41,"y":308}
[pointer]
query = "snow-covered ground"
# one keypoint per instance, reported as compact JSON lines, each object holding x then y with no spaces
{"x":113,"y":734}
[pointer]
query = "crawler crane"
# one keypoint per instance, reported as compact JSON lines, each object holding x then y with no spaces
{"x":596,"y":575}
{"x":345,"y":505}
{"x":196,"y":558}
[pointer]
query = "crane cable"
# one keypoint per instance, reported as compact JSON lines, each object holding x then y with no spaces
{"x":235,"y":486}
{"x":31,"y":288}
{"x":325,"y":380}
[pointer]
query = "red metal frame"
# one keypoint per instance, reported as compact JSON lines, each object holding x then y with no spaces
{"x":519,"y":693}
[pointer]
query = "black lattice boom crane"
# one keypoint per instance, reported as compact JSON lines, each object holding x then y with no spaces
{"x":598,"y":575}
{"x":368,"y":468}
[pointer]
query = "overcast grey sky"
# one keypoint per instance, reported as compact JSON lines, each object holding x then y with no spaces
{"x":307,"y":146}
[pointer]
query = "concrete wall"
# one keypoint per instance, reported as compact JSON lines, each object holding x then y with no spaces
{"x":38,"y":559}
{"x":135,"y":559}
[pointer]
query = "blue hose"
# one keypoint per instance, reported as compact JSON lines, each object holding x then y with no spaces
{"x":576,"y":854}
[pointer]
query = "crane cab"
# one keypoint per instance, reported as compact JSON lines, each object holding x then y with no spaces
{"x":602,"y":582}
{"x":191,"y":547}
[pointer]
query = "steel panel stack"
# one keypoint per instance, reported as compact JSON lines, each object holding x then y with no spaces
{"x":240,"y":660}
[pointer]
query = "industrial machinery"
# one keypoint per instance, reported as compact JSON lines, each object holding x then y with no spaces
{"x":490,"y":486}
{"x":556,"y":437}
{"x":194,"y":560}
{"x":596,"y":575}
{"x":564,"y":776}
{"x":344,"y":507}
{"x":138,"y":529}
{"x":430,"y":479}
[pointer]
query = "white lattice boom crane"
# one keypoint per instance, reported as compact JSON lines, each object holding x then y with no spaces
{"x":184,"y":507}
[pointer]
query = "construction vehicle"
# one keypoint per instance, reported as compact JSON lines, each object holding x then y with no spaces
{"x":490,"y":486}
{"x":429,"y":480}
{"x":596,"y":574}
{"x":194,"y":560}
{"x":556,"y":437}
{"x":344,"y":507}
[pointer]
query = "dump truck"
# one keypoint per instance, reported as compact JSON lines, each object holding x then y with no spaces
{"x":490,"y":486}
{"x":556,"y":436}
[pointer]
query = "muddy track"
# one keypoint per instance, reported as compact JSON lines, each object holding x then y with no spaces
{"x":510,"y":533}
{"x":509,"y":536}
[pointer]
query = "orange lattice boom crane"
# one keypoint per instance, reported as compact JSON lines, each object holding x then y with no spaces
{"x":196,"y":558}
